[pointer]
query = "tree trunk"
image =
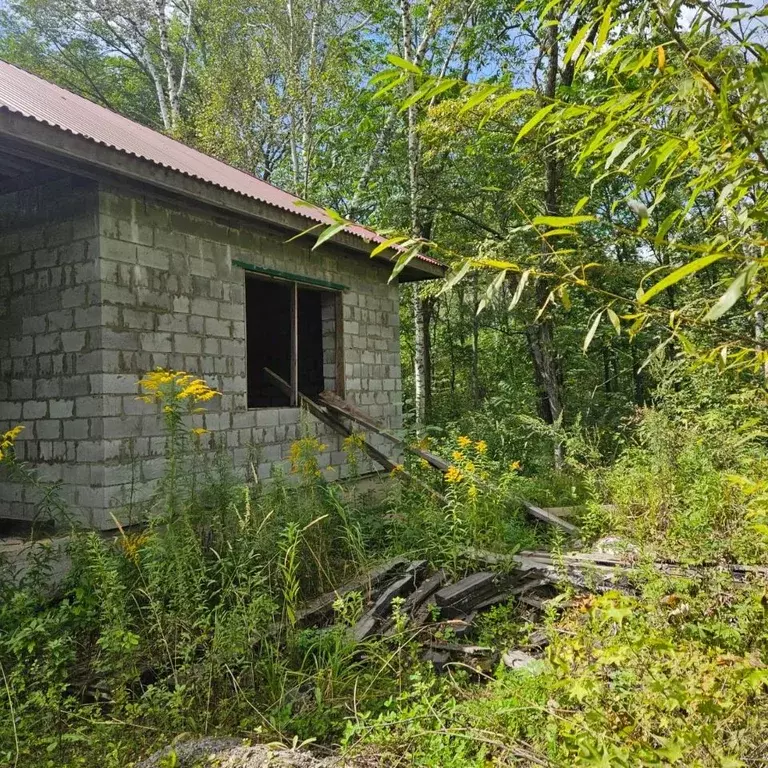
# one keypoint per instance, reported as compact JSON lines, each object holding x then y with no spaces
{"x":419,"y":359}
{"x":419,"y":345}
{"x":540,"y":333}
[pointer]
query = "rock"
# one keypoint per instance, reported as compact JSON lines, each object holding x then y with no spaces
{"x":190,"y":752}
{"x":515,"y":659}
{"x":231,"y":753}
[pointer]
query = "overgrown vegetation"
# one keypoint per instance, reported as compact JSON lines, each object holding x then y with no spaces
{"x":594,"y":175}
{"x":189,"y":625}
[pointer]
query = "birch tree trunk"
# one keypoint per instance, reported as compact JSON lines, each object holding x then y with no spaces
{"x":420,"y":383}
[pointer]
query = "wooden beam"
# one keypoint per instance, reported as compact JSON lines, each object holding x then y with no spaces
{"x":371,"y":451}
{"x":551,"y":518}
{"x":341,"y":407}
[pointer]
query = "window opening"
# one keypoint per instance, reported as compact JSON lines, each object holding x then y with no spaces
{"x":295,"y":332}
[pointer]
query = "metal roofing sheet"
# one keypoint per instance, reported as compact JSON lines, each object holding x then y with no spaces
{"x":31,"y":96}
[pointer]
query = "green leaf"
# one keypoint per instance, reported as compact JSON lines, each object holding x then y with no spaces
{"x":618,"y":148}
{"x":384,"y":76}
{"x":562,"y":221}
{"x":730,"y":297}
{"x":491,"y":290}
{"x":576,"y":43}
{"x":456,"y":276}
{"x":388,"y":244}
{"x":403,"y":260}
{"x":328,"y":233}
{"x":403,"y":63}
{"x":582,"y":202}
{"x":605,"y":28}
{"x":520,"y":288}
{"x":417,"y":95}
{"x":666,"y":225}
{"x":482,"y":95}
{"x":535,"y":120}
{"x":615,"y":321}
{"x":591,"y":332}
{"x":442,"y":86}
{"x":687,"y":269}
{"x":390,"y":86}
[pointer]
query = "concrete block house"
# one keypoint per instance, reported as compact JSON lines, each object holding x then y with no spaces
{"x":122,"y":251}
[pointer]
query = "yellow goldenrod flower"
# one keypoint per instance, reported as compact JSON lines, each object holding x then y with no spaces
{"x":199,"y":431}
{"x":453,"y":475}
{"x":464,"y":441}
{"x":481,"y":446}
{"x":457,"y":456}
{"x":6,"y":441}
{"x":514,"y":466}
{"x":170,"y":388}
{"x":472,"y":492}
{"x":470,"y":467}
{"x":132,"y":543}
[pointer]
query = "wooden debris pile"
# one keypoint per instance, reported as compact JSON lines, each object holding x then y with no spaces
{"x":441,"y":614}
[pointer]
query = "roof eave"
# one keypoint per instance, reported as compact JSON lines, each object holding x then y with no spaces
{"x":77,"y":154}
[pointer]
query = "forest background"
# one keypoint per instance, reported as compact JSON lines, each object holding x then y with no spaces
{"x":594,"y":175}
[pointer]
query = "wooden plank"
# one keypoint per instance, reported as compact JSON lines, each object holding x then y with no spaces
{"x":338,"y":405}
{"x":319,"y":608}
{"x":341,"y":407}
{"x":464,"y":595}
{"x":425,"y":590}
{"x":550,"y":517}
{"x":371,"y":451}
{"x":399,"y":588}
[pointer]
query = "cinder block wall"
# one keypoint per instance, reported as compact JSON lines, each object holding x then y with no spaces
{"x":50,"y":358}
{"x":162,"y":292}
{"x":171,"y":298}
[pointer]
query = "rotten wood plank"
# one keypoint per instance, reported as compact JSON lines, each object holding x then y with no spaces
{"x":320,"y":608}
{"x":341,"y":407}
{"x":424,"y":591}
{"x":460,"y":598}
{"x":551,"y":518}
{"x":371,"y":451}
{"x":399,"y":588}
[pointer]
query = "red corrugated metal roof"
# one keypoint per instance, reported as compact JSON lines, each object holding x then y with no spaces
{"x":32,"y":97}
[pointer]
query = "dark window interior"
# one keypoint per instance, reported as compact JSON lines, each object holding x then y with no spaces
{"x":268,"y":313}
{"x":311,"y":380}
{"x":268,"y":332}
